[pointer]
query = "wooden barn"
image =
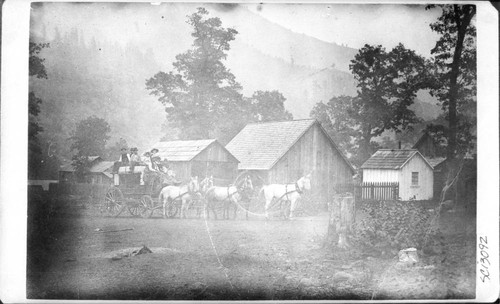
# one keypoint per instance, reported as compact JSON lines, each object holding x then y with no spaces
{"x":199,"y":158}
{"x":282,"y":152}
{"x":407,"y":167}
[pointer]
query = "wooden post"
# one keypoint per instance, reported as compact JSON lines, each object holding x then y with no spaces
{"x":342,"y":215}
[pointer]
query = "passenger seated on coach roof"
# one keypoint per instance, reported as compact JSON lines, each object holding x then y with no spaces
{"x":135,"y":159}
{"x":124,"y":160}
{"x":146,"y":158}
{"x":124,"y":157}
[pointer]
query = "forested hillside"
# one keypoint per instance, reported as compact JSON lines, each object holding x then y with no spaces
{"x":94,"y":70}
{"x":98,"y":78}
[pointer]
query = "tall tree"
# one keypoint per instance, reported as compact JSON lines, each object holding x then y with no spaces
{"x":90,"y":137}
{"x":36,"y":69}
{"x":268,"y":106}
{"x":455,"y":61}
{"x":261,"y":106}
{"x":337,"y":120}
{"x":201,"y":90}
{"x":387,"y":84}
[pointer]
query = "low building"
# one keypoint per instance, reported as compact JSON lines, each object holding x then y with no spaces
{"x":407,"y":167}
{"x":100,"y":172}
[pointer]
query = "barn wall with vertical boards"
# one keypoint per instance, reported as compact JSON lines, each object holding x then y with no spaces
{"x":182,"y":170}
{"x":216,"y":161}
{"x":214,"y":152}
{"x":313,"y":152}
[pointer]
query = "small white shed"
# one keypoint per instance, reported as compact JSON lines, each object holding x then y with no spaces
{"x":407,"y":167}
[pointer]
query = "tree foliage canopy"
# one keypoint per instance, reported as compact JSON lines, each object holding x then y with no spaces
{"x":36,"y":69}
{"x":90,"y":136}
{"x":200,"y":91}
{"x":201,"y":96}
{"x":387,"y":84}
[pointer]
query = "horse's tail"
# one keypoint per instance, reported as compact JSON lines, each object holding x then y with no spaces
{"x":160,"y":197}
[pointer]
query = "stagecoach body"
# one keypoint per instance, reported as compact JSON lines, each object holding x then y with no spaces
{"x":129,"y":192}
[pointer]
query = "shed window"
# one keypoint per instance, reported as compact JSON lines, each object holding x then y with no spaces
{"x":414,"y":178}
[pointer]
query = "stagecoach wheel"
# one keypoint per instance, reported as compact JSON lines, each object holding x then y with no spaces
{"x":285,"y":209}
{"x":113,"y":202}
{"x":171,"y":209}
{"x":156,"y":185}
{"x":146,"y":206}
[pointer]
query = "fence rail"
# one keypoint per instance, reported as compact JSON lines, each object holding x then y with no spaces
{"x":371,"y":191}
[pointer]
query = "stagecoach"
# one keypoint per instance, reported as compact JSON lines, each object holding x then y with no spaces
{"x":136,"y":189}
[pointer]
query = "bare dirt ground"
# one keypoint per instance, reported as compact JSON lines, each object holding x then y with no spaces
{"x":234,"y":260}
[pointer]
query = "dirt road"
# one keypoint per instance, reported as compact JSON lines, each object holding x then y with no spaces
{"x":224,"y":259}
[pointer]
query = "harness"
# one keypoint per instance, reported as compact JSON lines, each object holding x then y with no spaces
{"x":297,"y":189}
{"x":229,"y":195}
{"x":182,"y":194}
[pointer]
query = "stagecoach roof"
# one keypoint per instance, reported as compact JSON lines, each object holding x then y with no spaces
{"x":182,"y":150}
{"x":391,"y":159}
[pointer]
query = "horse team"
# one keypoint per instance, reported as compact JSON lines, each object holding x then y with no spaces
{"x":223,"y":198}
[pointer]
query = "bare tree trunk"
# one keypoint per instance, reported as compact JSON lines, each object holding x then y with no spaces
{"x":461,"y":24}
{"x":342,"y":214}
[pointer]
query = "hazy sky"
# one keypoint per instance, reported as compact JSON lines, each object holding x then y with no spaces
{"x":356,"y":25}
{"x":352,"y":25}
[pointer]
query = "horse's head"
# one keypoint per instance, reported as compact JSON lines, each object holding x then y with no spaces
{"x":193,"y":185}
{"x":305,"y":182}
{"x":247,"y":183}
{"x":207,"y":183}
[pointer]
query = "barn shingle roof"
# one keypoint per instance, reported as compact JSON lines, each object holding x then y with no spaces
{"x":260,"y":145}
{"x":181,"y":150}
{"x":390,"y":159}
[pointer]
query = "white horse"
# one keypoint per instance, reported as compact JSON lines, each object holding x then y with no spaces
{"x":285,"y":193}
{"x":184,"y":193}
{"x":227,"y":196}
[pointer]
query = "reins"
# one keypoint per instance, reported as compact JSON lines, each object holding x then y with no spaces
{"x":187,"y":192}
{"x":297,"y":189}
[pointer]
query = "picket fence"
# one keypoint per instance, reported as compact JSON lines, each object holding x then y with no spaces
{"x":371,"y":190}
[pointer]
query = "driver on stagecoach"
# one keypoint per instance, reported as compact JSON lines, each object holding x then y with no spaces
{"x":123,"y":161}
{"x":124,"y":157}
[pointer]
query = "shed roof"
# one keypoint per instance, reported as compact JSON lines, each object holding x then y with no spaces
{"x":391,"y":159}
{"x":259,"y":146}
{"x":182,"y":150}
{"x":100,"y":167}
{"x":435,"y":161}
